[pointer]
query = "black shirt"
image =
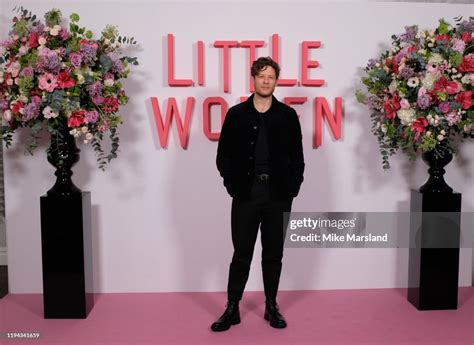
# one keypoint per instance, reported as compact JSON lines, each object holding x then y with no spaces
{"x":262,"y":156}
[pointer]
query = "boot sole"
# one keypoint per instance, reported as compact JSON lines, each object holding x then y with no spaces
{"x":234,"y":322}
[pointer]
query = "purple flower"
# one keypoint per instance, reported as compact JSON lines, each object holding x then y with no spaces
{"x":468,"y":25}
{"x":95,"y":89}
{"x":424,"y":101}
{"x":27,"y":72}
{"x":374,"y":103}
{"x":445,"y":107}
{"x":117,"y":64}
{"x":92,"y":116}
{"x":97,"y":100}
{"x":410,"y":33}
{"x":88,"y":51}
{"x":4,"y":105}
{"x":48,"y":61}
{"x":407,"y":72}
{"x":64,"y":34}
{"x":30,"y":111}
{"x":371,"y":63}
{"x":75,"y":59}
{"x":38,"y":29}
{"x":36,"y":100}
{"x":453,"y":117}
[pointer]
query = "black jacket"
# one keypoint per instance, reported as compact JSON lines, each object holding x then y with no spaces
{"x":236,"y":150}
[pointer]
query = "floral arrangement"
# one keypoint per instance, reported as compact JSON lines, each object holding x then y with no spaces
{"x":60,"y":78}
{"x":420,"y":92}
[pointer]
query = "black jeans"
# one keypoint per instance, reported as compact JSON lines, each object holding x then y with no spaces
{"x":246,"y":218}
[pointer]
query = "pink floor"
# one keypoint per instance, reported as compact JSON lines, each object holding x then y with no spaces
{"x":330,"y":317}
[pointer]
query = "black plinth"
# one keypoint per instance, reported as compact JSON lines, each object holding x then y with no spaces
{"x":66,"y":244}
{"x":434,"y":270}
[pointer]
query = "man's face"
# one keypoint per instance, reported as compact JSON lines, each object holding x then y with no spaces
{"x":265,"y":82}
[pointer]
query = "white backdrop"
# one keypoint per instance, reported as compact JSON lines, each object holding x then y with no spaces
{"x":161,"y":217}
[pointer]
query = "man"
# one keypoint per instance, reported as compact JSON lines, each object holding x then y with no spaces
{"x":260,"y":157}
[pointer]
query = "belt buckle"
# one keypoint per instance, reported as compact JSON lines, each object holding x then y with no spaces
{"x":263,"y":177}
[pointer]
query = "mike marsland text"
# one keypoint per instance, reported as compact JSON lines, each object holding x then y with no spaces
{"x":338,"y":238}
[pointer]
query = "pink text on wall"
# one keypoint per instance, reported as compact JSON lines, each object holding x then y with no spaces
{"x":168,"y":111}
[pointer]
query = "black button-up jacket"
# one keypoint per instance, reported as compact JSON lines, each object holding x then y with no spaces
{"x":236,"y":150}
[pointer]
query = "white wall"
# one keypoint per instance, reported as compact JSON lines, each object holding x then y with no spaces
{"x":161,"y":216}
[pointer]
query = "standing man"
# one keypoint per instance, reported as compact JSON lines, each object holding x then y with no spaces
{"x":260,"y":157}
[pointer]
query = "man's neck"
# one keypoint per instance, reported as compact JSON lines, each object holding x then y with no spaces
{"x":262,"y":104}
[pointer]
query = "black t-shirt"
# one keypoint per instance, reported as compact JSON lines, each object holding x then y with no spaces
{"x":262,"y":156}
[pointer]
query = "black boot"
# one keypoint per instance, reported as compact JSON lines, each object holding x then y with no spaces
{"x":230,"y":317}
{"x":273,"y":315}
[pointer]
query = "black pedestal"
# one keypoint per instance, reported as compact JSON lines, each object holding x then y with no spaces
{"x":434,"y":270}
{"x":66,"y":244}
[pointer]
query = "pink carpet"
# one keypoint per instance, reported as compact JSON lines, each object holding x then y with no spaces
{"x":330,"y":317}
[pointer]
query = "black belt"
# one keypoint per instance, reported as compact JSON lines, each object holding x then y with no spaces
{"x":262,"y":177}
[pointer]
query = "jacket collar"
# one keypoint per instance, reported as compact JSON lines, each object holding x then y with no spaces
{"x":249,"y":102}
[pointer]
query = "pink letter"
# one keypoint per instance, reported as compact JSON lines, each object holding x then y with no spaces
{"x":171,"y":79}
{"x":172,"y":110}
{"x":226,"y":45}
{"x":335,"y":122}
{"x":306,"y":64}
{"x":206,"y":111}
{"x":200,"y":48}
{"x":276,"y":57}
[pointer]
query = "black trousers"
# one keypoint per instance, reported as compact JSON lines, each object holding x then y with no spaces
{"x":247,"y":216}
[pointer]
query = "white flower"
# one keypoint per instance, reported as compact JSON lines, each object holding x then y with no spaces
{"x":443,"y":132}
{"x":468,"y":79}
{"x":106,"y":41}
{"x":109,"y":82}
{"x":54,"y":32}
{"x":413,"y":82}
{"x":440,"y":137}
{"x":429,"y":80}
{"x":435,"y":59}
{"x":49,"y":113}
{"x":73,"y":131}
{"x":431,"y":45}
{"x":428,"y":134}
{"x":383,"y":128}
{"x":422,"y":51}
{"x":406,"y":116}
{"x":80,"y":79}
{"x":393,"y":86}
{"x":7,"y":115}
{"x":42,"y":41}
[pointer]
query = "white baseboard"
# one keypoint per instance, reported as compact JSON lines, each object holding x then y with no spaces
{"x":3,"y":256}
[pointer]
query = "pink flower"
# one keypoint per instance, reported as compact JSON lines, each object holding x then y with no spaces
{"x":48,"y":82}
{"x":452,"y":87}
{"x":404,"y":104}
{"x":459,"y":45}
